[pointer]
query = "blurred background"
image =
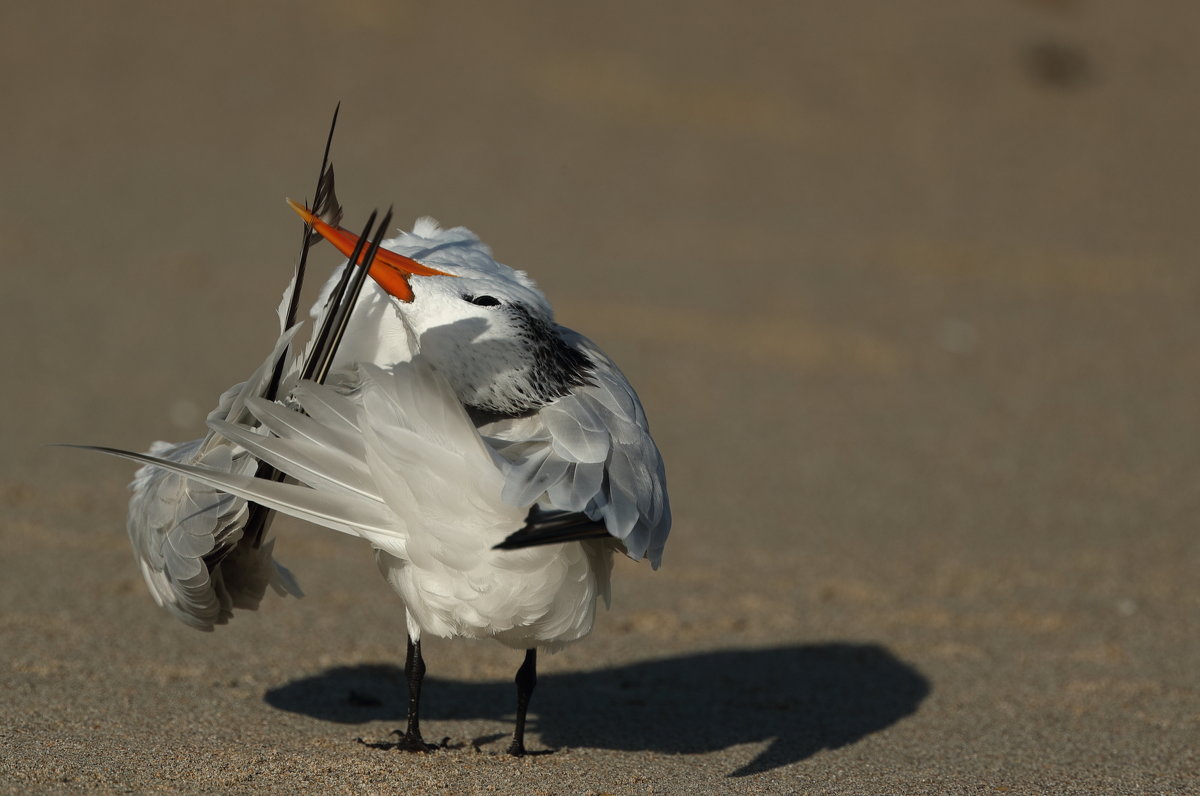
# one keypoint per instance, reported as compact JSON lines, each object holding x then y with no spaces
{"x":909,"y":292}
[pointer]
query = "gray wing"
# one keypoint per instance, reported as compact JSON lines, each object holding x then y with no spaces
{"x":591,"y":452}
{"x":188,"y":538}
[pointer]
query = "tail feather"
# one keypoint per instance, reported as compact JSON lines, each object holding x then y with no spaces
{"x":354,"y":516}
{"x":308,"y":463}
{"x":329,"y":408}
{"x":301,"y":427}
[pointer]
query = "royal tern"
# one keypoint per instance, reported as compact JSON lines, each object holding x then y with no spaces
{"x":494,"y":459}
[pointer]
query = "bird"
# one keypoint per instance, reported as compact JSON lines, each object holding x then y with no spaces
{"x":494,"y":459}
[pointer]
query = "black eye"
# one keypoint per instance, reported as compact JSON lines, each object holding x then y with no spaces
{"x":483,"y":301}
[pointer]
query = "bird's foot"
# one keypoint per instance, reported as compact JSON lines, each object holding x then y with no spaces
{"x":413,"y":742}
{"x":517,"y":749}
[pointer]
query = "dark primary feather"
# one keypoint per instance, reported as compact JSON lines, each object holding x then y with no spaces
{"x":554,"y":527}
{"x":360,"y":277}
{"x":321,"y":356}
{"x":337,"y":315}
{"x":322,"y":352}
{"x":329,"y":209}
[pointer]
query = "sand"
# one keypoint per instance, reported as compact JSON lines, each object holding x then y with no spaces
{"x":909,"y":292}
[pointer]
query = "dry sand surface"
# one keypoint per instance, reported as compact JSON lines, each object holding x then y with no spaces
{"x":910,"y":292}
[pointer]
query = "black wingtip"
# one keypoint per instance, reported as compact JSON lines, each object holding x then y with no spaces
{"x":326,"y":205}
{"x":355,"y":289}
{"x":322,"y":353}
{"x":521,"y":540}
{"x":542,"y":528}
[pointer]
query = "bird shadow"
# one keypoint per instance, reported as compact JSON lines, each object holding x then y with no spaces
{"x":803,"y":699}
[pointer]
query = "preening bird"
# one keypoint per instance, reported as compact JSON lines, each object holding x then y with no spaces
{"x":494,"y":459}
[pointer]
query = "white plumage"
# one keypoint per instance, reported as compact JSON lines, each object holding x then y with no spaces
{"x":447,"y":419}
{"x":582,"y":446}
{"x":398,"y":442}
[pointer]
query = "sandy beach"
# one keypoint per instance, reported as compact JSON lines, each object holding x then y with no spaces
{"x":910,"y":294}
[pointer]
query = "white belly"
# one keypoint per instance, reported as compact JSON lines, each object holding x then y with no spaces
{"x":539,"y":597}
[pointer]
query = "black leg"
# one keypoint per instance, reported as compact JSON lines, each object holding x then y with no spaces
{"x":414,"y":672}
{"x":526,"y":680}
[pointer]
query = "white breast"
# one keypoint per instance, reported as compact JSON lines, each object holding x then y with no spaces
{"x":445,"y":487}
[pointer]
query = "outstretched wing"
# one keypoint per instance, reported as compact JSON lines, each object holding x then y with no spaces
{"x":588,"y":452}
{"x":175,"y":525}
{"x":201,"y":550}
{"x":388,"y":450}
{"x":188,"y":537}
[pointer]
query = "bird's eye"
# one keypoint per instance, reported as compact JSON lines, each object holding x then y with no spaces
{"x":483,"y":301}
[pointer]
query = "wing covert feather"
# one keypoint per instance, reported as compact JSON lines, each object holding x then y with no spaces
{"x":590,"y":451}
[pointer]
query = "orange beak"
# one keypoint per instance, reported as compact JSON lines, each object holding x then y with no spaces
{"x":389,"y":269}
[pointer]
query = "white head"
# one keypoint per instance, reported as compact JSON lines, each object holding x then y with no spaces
{"x":489,"y":330}
{"x":485,"y":326}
